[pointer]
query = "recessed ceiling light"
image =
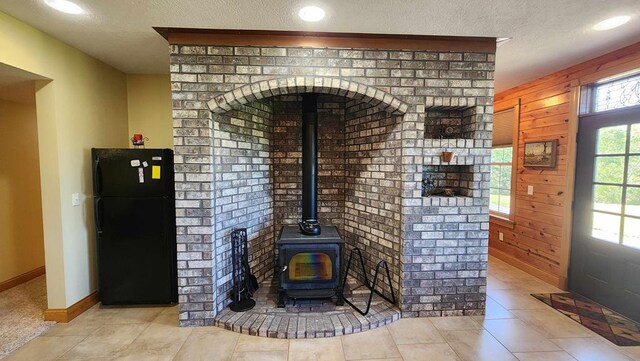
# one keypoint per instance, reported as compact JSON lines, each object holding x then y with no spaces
{"x":612,"y":23}
{"x":65,"y":6}
{"x":311,"y":13}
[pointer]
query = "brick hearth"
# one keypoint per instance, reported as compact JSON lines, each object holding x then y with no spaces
{"x":308,"y":318}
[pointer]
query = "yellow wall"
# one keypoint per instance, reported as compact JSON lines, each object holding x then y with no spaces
{"x":149,"y":101}
{"x":84,"y":105}
{"x":21,"y":239}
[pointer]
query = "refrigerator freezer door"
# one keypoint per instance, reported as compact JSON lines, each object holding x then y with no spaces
{"x":136,"y":260}
{"x":133,"y":172}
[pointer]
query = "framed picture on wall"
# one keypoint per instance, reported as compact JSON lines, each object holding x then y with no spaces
{"x":541,"y":154}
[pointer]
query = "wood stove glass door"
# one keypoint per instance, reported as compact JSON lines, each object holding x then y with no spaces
{"x":310,"y":267}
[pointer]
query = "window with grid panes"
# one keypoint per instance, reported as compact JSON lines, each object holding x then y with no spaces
{"x":500,"y":189}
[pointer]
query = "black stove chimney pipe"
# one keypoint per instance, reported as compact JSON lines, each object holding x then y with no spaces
{"x":309,"y":225}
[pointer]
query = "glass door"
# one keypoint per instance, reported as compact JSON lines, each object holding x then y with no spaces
{"x":605,"y":257}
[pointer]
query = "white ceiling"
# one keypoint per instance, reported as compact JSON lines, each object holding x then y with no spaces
{"x":548,"y":35}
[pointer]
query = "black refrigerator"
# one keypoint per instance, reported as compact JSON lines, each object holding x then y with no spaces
{"x":135,"y":220}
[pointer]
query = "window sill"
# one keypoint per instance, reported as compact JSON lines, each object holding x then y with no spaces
{"x":501,"y":221}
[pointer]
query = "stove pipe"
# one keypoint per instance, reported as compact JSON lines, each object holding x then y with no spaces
{"x":309,"y":224}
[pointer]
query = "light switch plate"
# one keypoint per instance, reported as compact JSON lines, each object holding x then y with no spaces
{"x":501,"y":236}
{"x":75,"y":199}
{"x":530,"y":190}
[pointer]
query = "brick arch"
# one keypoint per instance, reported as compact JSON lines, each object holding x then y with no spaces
{"x":294,"y":85}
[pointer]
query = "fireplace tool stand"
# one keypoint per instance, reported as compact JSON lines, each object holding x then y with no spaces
{"x":371,"y":287}
{"x":244,"y":283}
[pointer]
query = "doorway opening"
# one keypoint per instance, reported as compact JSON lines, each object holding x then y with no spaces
{"x":605,"y":254}
{"x":23,"y":292}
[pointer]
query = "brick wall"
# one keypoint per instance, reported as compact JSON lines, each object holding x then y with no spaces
{"x":445,"y":238}
{"x":374,"y":189}
{"x":287,"y":159}
{"x":243,"y":192}
{"x":442,"y":242}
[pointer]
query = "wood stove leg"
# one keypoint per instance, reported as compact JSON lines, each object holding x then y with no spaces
{"x":339,"y":298}
{"x":282,"y":299}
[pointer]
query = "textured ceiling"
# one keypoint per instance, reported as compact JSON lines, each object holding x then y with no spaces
{"x":548,"y":35}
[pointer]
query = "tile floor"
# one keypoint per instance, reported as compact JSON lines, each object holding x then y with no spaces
{"x":516,"y":327}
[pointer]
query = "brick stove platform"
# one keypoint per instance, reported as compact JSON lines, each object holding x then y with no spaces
{"x":308,"y":318}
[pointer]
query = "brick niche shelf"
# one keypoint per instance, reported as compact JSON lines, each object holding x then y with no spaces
{"x":458,"y":177}
{"x":449,"y":123}
{"x":454,"y":118}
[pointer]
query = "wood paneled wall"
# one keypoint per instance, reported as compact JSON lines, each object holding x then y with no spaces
{"x":538,"y":239}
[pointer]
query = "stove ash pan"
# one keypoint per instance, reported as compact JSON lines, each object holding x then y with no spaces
{"x":309,"y":265}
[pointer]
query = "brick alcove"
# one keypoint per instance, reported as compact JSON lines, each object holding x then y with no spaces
{"x":257,"y":170}
{"x":235,"y":158}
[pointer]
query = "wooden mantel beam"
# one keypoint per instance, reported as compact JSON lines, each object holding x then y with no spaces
{"x":184,"y":36}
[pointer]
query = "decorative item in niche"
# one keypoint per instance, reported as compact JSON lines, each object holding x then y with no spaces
{"x":428,"y":185}
{"x":429,"y":188}
{"x":447,"y":156}
{"x":541,"y":154}
{"x":448,"y":180}
{"x":449,"y":131}
{"x":447,"y":192}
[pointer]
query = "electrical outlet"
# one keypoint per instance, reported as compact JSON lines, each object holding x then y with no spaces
{"x":75,"y":199}
{"x":530,"y":190}
{"x":501,"y":236}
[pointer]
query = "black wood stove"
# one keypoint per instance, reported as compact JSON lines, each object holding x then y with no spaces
{"x":309,"y":255}
{"x":309,"y":265}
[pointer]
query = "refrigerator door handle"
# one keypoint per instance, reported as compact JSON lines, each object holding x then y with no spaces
{"x":98,"y":215}
{"x":97,"y":177}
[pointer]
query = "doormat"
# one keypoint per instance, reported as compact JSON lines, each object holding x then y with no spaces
{"x":608,"y":324}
